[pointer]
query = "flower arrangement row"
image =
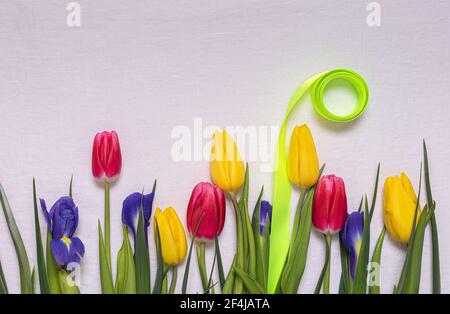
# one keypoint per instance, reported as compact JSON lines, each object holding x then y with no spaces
{"x":322,"y":206}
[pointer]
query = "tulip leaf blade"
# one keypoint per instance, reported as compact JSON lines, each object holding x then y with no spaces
{"x":326,"y":266}
{"x":297,"y":255}
{"x":345,"y":281}
{"x":210,"y":286}
{"x":360,"y":280}
{"x":229,"y":281}
{"x":249,"y":282}
{"x":159,"y":260}
{"x":126,"y":274}
{"x":434,"y":232}
{"x":376,"y":260}
{"x":105,"y":272}
{"x":22,"y":257}
{"x":3,"y":285}
{"x":405,"y":269}
{"x":219,"y":262}
{"x":375,"y":191}
{"x":142,"y":258}
{"x":42,"y":270}
{"x":188,"y":261}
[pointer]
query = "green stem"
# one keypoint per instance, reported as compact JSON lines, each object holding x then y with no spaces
{"x":173,"y":282}
{"x":238,"y":284}
{"x":202,"y":265}
{"x":107,"y":224}
{"x":326,"y":280}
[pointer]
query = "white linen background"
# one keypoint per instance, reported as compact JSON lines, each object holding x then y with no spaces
{"x":144,"y":67}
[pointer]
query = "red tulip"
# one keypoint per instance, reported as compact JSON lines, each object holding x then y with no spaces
{"x":207,"y":200}
{"x":106,"y":156}
{"x":329,"y":210}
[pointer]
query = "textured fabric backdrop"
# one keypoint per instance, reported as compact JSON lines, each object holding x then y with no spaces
{"x":144,"y":67}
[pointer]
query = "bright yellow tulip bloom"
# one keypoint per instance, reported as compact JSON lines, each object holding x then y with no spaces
{"x":172,"y":236}
{"x":399,"y":207}
{"x":303,"y":163}
{"x":227,"y":167}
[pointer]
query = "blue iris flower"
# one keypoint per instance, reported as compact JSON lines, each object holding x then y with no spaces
{"x":62,"y":221}
{"x":265,"y":216}
{"x":351,"y":236}
{"x":130,"y":210}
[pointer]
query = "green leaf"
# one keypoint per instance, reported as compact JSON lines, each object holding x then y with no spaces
{"x":250,"y":283}
{"x":126,"y":274}
{"x":346,"y":281}
{"x":219,"y":262}
{"x":68,"y":286}
{"x":3,"y":285}
{"x":326,"y":267}
{"x":412,"y":282}
{"x":375,"y":191}
{"x":229,"y":281}
{"x":210,"y":288}
{"x":360,"y":281}
{"x":296,"y":260}
{"x":261,"y":268}
{"x":405,"y":269}
{"x":42,"y":270}
{"x":142,"y":258}
{"x":376,"y":259}
{"x":52,"y":268}
{"x":22,"y":258}
{"x":105,"y":272}
{"x":434,"y":231}
{"x":159,"y":260}
{"x":33,"y":280}
{"x":70,"y":186}
{"x":188,"y":261}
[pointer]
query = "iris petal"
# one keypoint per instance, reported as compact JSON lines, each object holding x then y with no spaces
{"x":76,"y":250}
{"x":130,"y":210}
{"x":60,"y":251}
{"x":351,"y":236}
{"x":46,"y":214}
{"x":265,"y":216}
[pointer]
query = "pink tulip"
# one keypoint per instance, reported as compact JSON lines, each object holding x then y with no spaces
{"x":329,"y":210}
{"x":106,"y":156}
{"x":206,"y":200}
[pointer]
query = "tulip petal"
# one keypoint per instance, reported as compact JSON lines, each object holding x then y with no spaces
{"x":338,"y":210}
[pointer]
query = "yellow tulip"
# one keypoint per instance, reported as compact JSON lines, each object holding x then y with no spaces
{"x":399,"y":207}
{"x":172,"y":236}
{"x":227,"y":167}
{"x":303,"y":163}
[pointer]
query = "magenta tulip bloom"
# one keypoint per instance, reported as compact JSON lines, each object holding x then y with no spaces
{"x":206,"y":200}
{"x":106,"y":156}
{"x":329,"y":205}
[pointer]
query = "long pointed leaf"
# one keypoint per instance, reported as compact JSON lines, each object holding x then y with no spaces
{"x":360,"y":282}
{"x":42,"y":270}
{"x":249,"y":282}
{"x":105,"y":272}
{"x":159,"y":260}
{"x":22,"y":257}
{"x":219,"y":262}
{"x":376,"y":260}
{"x":188,"y":261}
{"x":3,"y":285}
{"x":126,"y":274}
{"x":434,"y":231}
{"x":142,"y":258}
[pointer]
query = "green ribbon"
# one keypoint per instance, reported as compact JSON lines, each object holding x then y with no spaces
{"x":280,"y":230}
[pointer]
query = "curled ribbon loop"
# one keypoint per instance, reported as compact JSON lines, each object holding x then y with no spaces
{"x":280,"y":225}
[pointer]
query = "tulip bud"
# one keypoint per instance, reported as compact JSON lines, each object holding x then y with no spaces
{"x":106,"y":156}
{"x":400,"y":202}
{"x":172,"y":236}
{"x":206,"y":200}
{"x":303,"y":164}
{"x":329,"y":205}
{"x":351,"y":236}
{"x":227,"y":168}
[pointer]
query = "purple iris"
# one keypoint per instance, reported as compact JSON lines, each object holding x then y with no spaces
{"x":130,"y":210}
{"x":62,"y":221}
{"x":265,"y":216}
{"x":351,"y":236}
